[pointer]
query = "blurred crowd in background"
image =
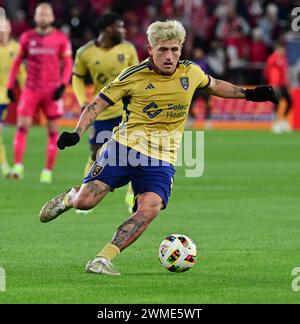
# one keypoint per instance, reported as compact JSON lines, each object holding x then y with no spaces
{"x":232,"y":38}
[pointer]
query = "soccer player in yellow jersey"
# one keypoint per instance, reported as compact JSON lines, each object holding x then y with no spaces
{"x":156,"y":96}
{"x":8,"y":51}
{"x":104,"y":59}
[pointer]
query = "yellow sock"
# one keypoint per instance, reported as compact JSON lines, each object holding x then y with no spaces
{"x":70,"y":194}
{"x":66,"y":201}
{"x":3,"y":159}
{"x":110,"y":251}
{"x":88,"y":166}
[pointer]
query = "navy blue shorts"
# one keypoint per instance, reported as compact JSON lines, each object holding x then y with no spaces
{"x":2,"y":114}
{"x":101,"y":131}
{"x":116,"y":167}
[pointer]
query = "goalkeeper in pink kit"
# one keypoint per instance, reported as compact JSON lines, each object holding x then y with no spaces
{"x":49,"y":67}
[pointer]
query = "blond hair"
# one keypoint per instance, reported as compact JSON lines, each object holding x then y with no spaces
{"x":166,"y":30}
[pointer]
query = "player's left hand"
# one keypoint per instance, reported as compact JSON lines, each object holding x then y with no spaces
{"x":262,"y":93}
{"x":67,"y":139}
{"x":59,"y":91}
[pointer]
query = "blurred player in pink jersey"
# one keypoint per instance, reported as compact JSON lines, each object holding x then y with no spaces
{"x":49,"y":67}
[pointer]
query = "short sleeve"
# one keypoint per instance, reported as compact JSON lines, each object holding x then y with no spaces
{"x":202,"y":79}
{"x":117,"y":89}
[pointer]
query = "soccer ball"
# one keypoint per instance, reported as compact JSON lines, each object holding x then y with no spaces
{"x":177,"y":253}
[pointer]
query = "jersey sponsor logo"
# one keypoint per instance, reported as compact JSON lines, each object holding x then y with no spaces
{"x":97,"y":169}
{"x":121,"y":58}
{"x":150,"y":86}
{"x":184,"y":83}
{"x":152,"y":113}
{"x":41,"y":51}
{"x":177,"y":111}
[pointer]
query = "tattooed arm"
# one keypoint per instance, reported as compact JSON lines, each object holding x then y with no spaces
{"x":87,"y":117}
{"x":89,"y":114}
{"x":224,"y":89}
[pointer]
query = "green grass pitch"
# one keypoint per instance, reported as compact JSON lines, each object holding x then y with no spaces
{"x":243,"y":214}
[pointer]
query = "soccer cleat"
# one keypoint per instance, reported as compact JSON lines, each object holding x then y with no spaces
{"x":285,"y":126}
{"x":85,"y":212}
{"x":46,"y":176}
{"x":53,"y":208}
{"x":101,"y":265}
{"x":17,"y":171}
{"x":277,"y":128}
{"x":5,"y":170}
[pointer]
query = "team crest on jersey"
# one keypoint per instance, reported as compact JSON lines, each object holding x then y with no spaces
{"x":121,"y":58}
{"x":184,"y":83}
{"x":96,"y":170}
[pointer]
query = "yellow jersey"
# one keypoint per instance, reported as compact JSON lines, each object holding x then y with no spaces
{"x":155,"y":105}
{"x":8,"y":53}
{"x":104,"y":65}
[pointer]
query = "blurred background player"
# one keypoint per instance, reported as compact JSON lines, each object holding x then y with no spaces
{"x":104,"y":59}
{"x":276,"y":74}
{"x":49,"y":66}
{"x":8,"y":51}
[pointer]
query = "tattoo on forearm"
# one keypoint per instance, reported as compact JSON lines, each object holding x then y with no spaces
{"x":91,"y":107}
{"x":128,"y":232}
{"x":238,"y":91}
{"x":90,"y":114}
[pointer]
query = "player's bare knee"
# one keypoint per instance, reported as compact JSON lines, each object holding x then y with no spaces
{"x":149,"y":206}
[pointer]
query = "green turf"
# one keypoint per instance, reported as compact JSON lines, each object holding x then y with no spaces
{"x":243,"y":215}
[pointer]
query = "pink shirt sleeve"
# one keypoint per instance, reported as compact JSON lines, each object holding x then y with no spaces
{"x":17,"y":62}
{"x":66,"y":55}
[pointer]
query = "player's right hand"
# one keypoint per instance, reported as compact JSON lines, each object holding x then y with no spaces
{"x":10,"y":95}
{"x":67,"y":139}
